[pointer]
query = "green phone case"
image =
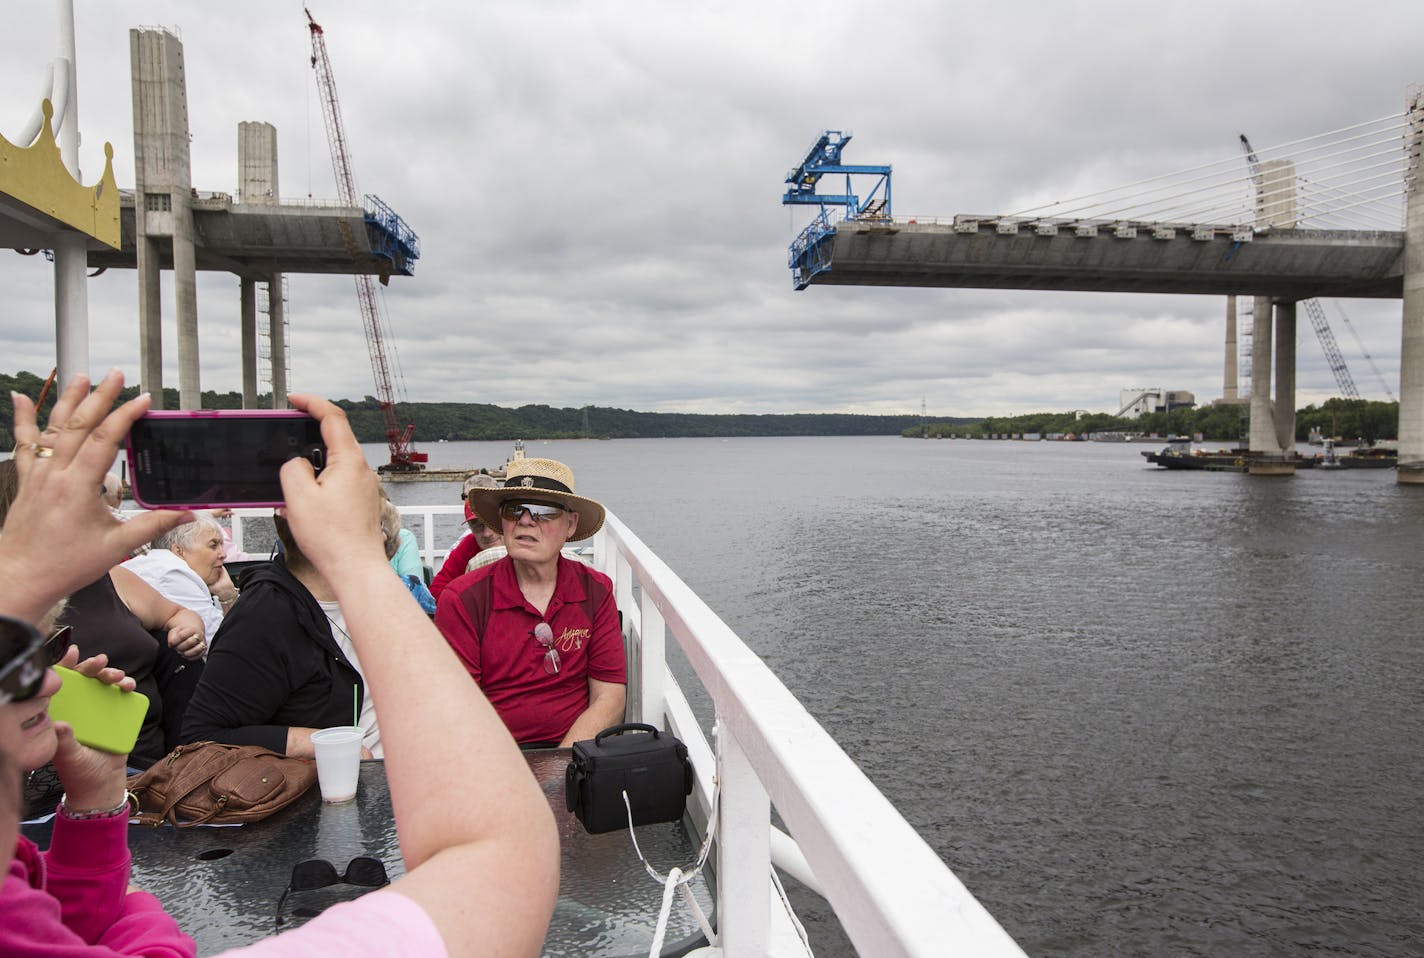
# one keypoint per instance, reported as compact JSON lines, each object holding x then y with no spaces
{"x":103,"y":716}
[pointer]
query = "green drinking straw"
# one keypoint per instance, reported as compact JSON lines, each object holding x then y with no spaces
{"x":355,"y":704}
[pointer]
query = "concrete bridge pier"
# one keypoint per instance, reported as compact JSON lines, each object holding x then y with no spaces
{"x":163,"y":212}
{"x":1273,"y":423}
{"x":257,"y":167}
{"x":277,"y":338}
{"x":1272,"y":434}
{"x":249,"y":343}
{"x":1411,"y":356}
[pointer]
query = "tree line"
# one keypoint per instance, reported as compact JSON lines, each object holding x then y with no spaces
{"x":482,"y":421}
{"x":1347,"y":418}
{"x":1358,"y":419}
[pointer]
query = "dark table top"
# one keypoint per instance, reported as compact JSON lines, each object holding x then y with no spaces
{"x":223,"y":884}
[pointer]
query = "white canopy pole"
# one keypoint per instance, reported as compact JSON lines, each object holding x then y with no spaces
{"x":71,"y":257}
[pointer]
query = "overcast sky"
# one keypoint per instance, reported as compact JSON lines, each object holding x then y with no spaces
{"x":597,"y":187}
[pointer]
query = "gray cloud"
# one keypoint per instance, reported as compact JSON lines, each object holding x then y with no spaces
{"x":596,"y":187}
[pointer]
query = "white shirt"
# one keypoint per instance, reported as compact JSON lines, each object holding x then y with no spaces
{"x":371,"y":737}
{"x":171,"y":577}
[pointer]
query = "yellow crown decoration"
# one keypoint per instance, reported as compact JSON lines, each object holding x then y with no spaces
{"x":36,"y":178}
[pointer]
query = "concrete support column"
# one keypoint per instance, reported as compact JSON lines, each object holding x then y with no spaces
{"x":150,"y":318}
{"x":249,"y":343}
{"x":1411,"y":357}
{"x":1273,"y":424}
{"x":1285,"y":378}
{"x":277,"y":334}
{"x":185,"y":298}
{"x":1263,"y":432}
{"x":163,"y":208}
{"x":1228,"y":374}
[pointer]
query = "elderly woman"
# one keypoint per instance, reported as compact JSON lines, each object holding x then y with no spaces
{"x":395,"y":538}
{"x":186,"y":565}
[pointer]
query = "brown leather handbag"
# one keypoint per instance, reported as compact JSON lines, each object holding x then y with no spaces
{"x":209,"y":783}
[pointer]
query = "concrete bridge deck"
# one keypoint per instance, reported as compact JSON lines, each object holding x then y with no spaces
{"x":255,"y":240}
{"x":995,"y":253}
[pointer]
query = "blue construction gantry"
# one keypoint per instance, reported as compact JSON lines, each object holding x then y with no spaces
{"x":390,"y":237}
{"x":811,"y":252}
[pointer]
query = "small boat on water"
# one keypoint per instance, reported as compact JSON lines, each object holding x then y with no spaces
{"x":1329,"y":458}
{"x":453,"y":473}
{"x":1370,"y":457}
{"x":1178,"y":454}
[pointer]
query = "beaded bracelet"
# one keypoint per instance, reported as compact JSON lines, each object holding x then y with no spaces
{"x":127,"y":807}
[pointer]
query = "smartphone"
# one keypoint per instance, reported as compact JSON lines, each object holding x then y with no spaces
{"x":103,"y":716}
{"x":216,"y":458}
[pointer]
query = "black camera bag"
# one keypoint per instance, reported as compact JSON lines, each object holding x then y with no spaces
{"x":650,"y":764}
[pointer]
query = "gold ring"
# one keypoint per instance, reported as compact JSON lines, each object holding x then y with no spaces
{"x":41,"y":452}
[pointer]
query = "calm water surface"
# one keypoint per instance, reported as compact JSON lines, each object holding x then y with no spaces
{"x":1137,"y":712}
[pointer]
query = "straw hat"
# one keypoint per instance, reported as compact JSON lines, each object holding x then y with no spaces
{"x":538,"y":479}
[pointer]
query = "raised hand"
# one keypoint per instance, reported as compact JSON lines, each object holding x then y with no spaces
{"x":58,"y":534}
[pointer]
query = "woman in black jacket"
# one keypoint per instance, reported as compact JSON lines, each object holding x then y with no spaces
{"x":282,"y":665}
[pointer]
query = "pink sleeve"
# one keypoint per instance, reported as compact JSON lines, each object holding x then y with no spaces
{"x":87,"y":871}
{"x":383,"y":924}
{"x":50,"y":920}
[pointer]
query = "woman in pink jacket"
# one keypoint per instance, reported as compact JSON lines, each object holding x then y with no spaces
{"x":76,"y":894}
{"x":481,"y":822}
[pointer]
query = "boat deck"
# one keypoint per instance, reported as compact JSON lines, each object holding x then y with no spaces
{"x":223,"y":884}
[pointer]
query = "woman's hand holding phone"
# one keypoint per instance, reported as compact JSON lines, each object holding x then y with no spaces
{"x":58,"y":506}
{"x":92,"y":779}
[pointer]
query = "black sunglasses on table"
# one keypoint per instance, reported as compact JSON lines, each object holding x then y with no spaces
{"x":363,"y":871}
{"x":25,"y":656}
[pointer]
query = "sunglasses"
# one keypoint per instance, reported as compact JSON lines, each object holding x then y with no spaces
{"x":538,"y":511}
{"x":25,"y":655}
{"x":363,"y":871}
{"x":545,"y":636}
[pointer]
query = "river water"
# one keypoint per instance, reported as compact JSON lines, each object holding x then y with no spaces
{"x":1137,"y":712}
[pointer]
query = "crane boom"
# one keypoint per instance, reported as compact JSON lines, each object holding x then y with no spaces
{"x":404,"y":458}
{"x":1343,"y":379}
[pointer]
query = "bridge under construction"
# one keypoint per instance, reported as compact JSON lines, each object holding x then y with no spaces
{"x":1318,"y":217}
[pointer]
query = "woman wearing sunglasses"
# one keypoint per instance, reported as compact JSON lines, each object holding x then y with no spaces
{"x":95,"y":907}
{"x":476,"y":833}
{"x":74,"y":898}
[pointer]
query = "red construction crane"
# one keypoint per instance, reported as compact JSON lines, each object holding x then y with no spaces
{"x":404,"y":458}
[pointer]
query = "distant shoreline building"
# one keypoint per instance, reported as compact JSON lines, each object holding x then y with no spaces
{"x":1138,"y":401}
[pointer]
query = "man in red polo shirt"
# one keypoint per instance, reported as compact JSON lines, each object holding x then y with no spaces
{"x":539,"y":632}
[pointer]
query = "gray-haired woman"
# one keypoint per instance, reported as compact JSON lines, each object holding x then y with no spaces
{"x":185,"y":564}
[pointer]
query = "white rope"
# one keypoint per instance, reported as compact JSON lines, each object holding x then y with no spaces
{"x":786,"y":903}
{"x":673,"y":877}
{"x":676,"y":878}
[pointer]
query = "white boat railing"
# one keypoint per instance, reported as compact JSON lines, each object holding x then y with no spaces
{"x":891,"y":892}
{"x":889,"y":889}
{"x":431,"y":552}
